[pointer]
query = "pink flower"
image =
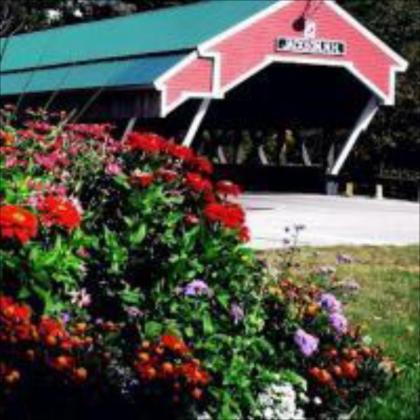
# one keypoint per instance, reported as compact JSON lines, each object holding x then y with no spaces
{"x":113,"y":168}
{"x":59,"y":190}
{"x":11,"y":161}
{"x":80,"y":298}
{"x":47,"y":161}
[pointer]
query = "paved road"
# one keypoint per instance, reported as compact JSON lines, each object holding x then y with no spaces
{"x":331,"y":220}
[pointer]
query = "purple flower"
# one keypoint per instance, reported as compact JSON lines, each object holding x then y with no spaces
{"x":196,"y":288}
{"x":338,"y":322}
{"x":330,"y":303}
{"x":65,"y":317}
{"x":326,"y":270}
{"x":344,"y":259}
{"x":237,"y":313}
{"x":308,"y":344}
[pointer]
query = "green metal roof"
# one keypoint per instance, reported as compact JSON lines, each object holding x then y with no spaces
{"x":128,"y":72}
{"x":165,"y":30}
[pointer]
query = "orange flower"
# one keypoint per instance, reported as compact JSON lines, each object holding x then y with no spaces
{"x":63,"y":363}
{"x":7,"y":138}
{"x":349,"y":369}
{"x":194,"y":374}
{"x":18,"y":223}
{"x":174,"y":344}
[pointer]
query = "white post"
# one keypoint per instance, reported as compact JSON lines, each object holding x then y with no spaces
{"x":379,"y":193}
{"x":129,"y":127}
{"x":362,"y":124}
{"x":196,"y":122}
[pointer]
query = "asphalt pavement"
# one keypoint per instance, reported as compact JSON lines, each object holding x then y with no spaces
{"x":330,"y":220}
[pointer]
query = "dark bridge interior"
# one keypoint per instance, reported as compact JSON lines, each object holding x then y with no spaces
{"x":290,"y":121}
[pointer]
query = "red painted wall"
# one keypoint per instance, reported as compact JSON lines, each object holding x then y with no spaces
{"x":246,"y":50}
{"x":195,"y":78}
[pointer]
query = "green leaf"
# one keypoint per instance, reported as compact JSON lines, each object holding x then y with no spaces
{"x":223,"y":298}
{"x":207,"y":324}
{"x":137,"y":237}
{"x":153,"y":329}
{"x":130,"y":296}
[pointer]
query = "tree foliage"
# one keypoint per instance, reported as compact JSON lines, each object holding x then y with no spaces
{"x":393,"y":140}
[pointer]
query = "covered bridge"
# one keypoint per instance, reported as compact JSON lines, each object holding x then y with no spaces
{"x":285,"y":87}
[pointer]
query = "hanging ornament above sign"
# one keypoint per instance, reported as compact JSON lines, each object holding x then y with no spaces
{"x":309,"y":44}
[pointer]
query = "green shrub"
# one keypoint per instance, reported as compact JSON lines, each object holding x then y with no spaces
{"x":126,"y":287}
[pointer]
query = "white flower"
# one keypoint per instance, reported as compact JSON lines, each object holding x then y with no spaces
{"x":303,"y":397}
{"x":278,"y":402}
{"x":299,"y":415}
{"x":268,"y":413}
{"x":265,"y":399}
{"x":367,"y":340}
{"x":53,"y":15}
{"x":78,"y":13}
{"x":204,"y":416}
{"x":317,"y":401}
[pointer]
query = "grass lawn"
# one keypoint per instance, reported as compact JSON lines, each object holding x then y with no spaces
{"x":388,"y":305}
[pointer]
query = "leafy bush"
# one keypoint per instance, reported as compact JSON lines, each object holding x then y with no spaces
{"x":126,"y":287}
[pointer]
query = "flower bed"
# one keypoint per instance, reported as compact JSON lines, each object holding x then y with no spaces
{"x":127,"y":287}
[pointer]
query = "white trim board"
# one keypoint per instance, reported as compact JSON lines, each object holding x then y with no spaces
{"x":361,"y":125}
{"x":196,"y":122}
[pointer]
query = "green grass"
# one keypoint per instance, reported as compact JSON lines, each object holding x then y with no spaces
{"x":388,"y":306}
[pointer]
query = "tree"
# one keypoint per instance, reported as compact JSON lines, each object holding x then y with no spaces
{"x":393,"y":140}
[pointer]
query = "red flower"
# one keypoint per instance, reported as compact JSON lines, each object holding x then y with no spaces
{"x":5,"y":303}
{"x":244,"y":234}
{"x":229,"y":215}
{"x":146,"y":371}
{"x":202,"y":164}
{"x":16,"y":222}
{"x":146,"y":142}
{"x":174,"y":344}
{"x":143,"y":179}
{"x":180,"y":152}
{"x":60,"y":212}
{"x":167,"y":174}
{"x":197,"y":183}
{"x":209,"y":196}
{"x":51,"y":330}
{"x":11,"y":311}
{"x":228,"y":188}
